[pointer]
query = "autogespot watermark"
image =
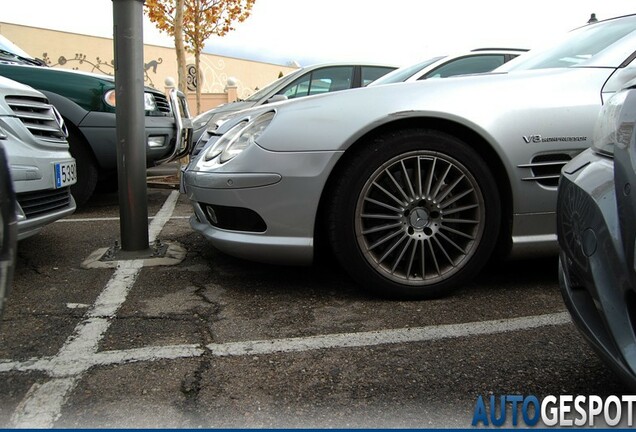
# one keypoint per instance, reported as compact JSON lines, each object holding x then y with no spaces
{"x":556,"y":411}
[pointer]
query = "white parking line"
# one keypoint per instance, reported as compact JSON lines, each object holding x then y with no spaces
{"x":54,"y":365}
{"x":42,"y":405}
{"x":41,"y":402}
{"x":162,"y":216}
{"x":385,"y":337}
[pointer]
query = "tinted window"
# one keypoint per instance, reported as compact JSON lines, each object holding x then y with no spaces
{"x":271,"y":86}
{"x":372,"y":73}
{"x":320,"y":81}
{"x":404,"y":73}
{"x":467,"y":65}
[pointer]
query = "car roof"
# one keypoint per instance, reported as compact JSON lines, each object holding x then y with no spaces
{"x":504,"y":50}
{"x":347,"y":63}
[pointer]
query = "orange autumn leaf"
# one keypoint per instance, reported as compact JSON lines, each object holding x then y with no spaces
{"x":201,"y":20}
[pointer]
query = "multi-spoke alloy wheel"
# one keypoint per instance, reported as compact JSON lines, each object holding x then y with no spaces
{"x":418,"y":217}
{"x":415,"y":215}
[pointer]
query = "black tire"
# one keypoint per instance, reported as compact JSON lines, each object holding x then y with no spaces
{"x":107,"y":183}
{"x":87,"y":173}
{"x":414,"y":215}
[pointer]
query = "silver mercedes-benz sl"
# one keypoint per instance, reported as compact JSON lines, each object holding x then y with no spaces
{"x":414,"y":186}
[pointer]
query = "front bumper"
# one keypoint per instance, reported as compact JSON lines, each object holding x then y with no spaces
{"x":41,"y":208}
{"x":592,"y":266}
{"x":167,"y":138}
{"x":38,"y":202}
{"x":32,"y":168}
{"x":262,"y":205}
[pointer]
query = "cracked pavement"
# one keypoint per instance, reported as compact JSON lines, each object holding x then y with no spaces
{"x":155,"y":368}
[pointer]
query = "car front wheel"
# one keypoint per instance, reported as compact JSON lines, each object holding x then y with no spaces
{"x":415,"y":214}
{"x":86,"y":168}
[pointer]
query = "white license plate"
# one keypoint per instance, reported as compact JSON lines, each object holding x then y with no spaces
{"x":65,"y":174}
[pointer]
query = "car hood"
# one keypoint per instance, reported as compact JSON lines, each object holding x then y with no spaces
{"x":8,"y":86}
{"x":110,"y":79}
{"x":490,"y":104}
{"x":234,"y":106}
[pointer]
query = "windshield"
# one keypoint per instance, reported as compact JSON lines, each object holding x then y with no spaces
{"x":580,"y":46}
{"x":404,"y":73}
{"x":269,"y":87}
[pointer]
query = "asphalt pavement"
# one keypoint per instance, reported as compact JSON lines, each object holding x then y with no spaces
{"x":215,"y":341}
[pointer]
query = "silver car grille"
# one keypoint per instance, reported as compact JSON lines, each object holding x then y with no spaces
{"x":41,"y":203}
{"x":39,"y":117}
{"x":545,"y":169}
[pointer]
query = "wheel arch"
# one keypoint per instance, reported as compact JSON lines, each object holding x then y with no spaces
{"x":71,"y":111}
{"x":87,"y":166}
{"x":456,"y":129}
{"x":74,"y":130}
{"x":73,"y":114}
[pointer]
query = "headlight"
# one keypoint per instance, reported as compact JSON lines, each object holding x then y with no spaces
{"x":608,"y":130}
{"x":247,"y":136}
{"x":110,"y":99}
{"x":223,"y":142}
{"x":149,"y":100}
{"x":240,"y":137}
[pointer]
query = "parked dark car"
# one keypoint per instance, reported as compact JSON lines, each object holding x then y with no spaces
{"x":596,"y":223}
{"x":8,"y":235}
{"x":87,"y":103}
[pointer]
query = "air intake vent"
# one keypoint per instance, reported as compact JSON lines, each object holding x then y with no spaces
{"x":546,"y":168}
{"x":39,"y":117}
{"x":207,"y":135}
{"x":162,"y":103}
{"x":41,"y":203}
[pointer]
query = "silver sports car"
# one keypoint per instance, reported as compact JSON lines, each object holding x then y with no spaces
{"x":414,"y":186}
{"x":306,"y":81}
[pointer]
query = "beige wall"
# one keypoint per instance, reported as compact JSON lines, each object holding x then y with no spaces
{"x":95,"y":54}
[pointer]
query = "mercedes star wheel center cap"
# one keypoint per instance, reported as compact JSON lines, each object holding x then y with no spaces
{"x":418,"y":218}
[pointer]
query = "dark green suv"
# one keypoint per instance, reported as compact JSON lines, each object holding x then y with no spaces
{"x":87,"y":103}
